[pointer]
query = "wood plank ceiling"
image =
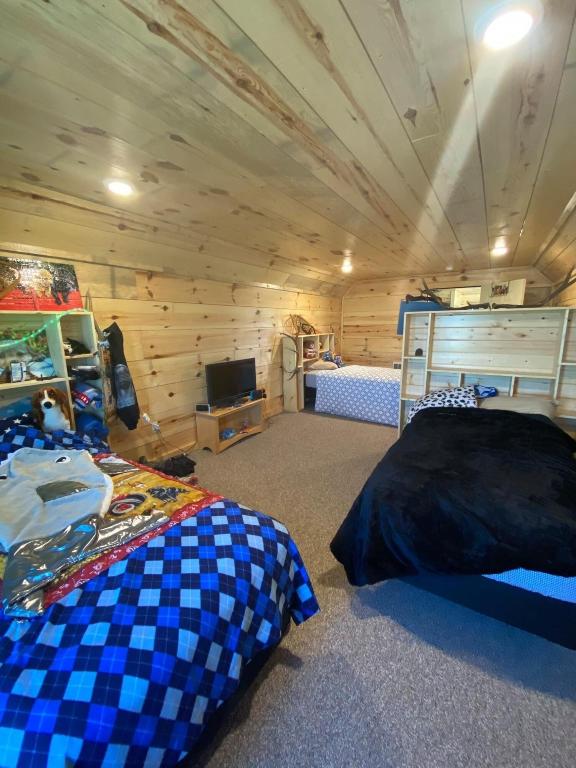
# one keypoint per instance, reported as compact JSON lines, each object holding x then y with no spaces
{"x":283,"y":133}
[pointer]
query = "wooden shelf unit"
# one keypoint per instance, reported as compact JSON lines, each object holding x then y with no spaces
{"x":294,"y":365}
{"x":521,"y":352}
{"x":78,"y":325}
{"x":247,"y":418}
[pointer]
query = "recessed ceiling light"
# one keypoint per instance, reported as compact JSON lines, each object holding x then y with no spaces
{"x":347,"y":265}
{"x":508,"y":29}
{"x":449,"y":268}
{"x":118,"y":187}
{"x":499,"y":250}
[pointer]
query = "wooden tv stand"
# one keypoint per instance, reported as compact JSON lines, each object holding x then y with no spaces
{"x":247,"y":419}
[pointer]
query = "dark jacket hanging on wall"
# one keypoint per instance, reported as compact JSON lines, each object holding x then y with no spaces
{"x":122,"y":386}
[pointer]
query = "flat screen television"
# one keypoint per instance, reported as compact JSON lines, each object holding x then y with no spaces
{"x":228,"y":382}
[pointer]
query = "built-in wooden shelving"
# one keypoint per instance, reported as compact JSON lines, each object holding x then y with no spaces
{"x":520,"y":351}
{"x":56,"y":327}
{"x":294,"y":364}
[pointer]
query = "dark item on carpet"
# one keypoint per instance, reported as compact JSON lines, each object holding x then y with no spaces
{"x":465,"y":491}
{"x":309,"y":398}
{"x":176,"y":466}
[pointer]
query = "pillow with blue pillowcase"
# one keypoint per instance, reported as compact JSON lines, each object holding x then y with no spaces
{"x":330,"y":357}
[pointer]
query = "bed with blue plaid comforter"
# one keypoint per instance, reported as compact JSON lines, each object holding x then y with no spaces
{"x":127,"y":669}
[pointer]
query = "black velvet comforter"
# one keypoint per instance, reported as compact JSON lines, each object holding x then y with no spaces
{"x":465,"y":491}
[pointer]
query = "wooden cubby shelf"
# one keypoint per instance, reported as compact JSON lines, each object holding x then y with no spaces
{"x":247,"y":419}
{"x":495,"y":372}
{"x":78,"y":325}
{"x":294,"y":365}
{"x":521,"y":352}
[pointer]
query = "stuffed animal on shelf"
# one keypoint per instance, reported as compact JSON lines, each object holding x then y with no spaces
{"x":309,"y":349}
{"x":51,"y":409}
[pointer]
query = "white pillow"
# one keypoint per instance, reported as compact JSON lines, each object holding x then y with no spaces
{"x":456,"y":397}
{"x":322,"y":365}
{"x":520,"y":404}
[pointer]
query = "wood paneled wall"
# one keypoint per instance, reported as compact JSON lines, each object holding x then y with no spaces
{"x":370,"y":310}
{"x":174,"y":325}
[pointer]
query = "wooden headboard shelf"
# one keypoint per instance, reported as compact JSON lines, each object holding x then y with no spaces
{"x":520,"y":351}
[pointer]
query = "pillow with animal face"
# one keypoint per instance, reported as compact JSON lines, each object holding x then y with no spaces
{"x":457,"y":397}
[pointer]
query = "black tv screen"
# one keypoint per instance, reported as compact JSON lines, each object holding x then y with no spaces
{"x":230,"y":381}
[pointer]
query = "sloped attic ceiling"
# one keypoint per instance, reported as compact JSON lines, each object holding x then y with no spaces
{"x":282,"y":134}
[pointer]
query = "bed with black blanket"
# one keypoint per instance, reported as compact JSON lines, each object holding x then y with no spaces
{"x":466,"y":492}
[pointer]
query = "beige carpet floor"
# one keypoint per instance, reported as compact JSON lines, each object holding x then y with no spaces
{"x":387,"y":676}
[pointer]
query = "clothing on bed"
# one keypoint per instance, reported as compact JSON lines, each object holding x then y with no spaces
{"x":126,"y":669}
{"x":42,"y":492}
{"x":145,"y":502}
{"x":360,"y":392}
{"x":467,"y":491}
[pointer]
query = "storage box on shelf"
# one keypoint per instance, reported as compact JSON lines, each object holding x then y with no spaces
{"x":520,"y":351}
{"x":44,"y":334}
{"x":295,"y":363}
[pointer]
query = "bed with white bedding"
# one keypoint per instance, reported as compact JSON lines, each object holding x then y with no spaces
{"x":358,"y":392}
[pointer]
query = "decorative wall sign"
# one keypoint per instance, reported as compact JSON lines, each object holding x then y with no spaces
{"x":500,"y":289}
{"x":38,"y":285}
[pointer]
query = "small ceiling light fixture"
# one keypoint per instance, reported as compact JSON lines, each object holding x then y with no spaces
{"x":499,"y":250}
{"x":449,"y":268}
{"x":508,"y":23}
{"x":347,"y":263}
{"x":119,"y":187}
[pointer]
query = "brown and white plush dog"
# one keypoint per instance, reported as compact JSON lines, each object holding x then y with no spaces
{"x":51,"y":409}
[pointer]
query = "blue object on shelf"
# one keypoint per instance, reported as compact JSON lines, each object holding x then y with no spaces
{"x":86,"y":395}
{"x":484,"y":391}
{"x":416,"y":306}
{"x":91,"y":425}
{"x":226,"y":434}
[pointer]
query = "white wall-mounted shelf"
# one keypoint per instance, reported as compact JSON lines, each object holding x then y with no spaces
{"x":78,"y":325}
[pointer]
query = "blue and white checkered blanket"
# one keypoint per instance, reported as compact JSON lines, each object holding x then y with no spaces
{"x":360,"y":392}
{"x":21,"y":433}
{"x":126,"y":670}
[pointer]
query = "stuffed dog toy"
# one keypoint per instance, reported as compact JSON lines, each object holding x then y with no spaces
{"x":51,"y":409}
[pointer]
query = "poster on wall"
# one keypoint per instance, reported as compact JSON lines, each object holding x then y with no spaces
{"x":28,"y":284}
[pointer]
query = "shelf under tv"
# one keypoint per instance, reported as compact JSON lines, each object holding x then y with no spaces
{"x":247,"y":419}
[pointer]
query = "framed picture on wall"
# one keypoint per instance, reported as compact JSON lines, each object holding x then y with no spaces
{"x":37,"y":285}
